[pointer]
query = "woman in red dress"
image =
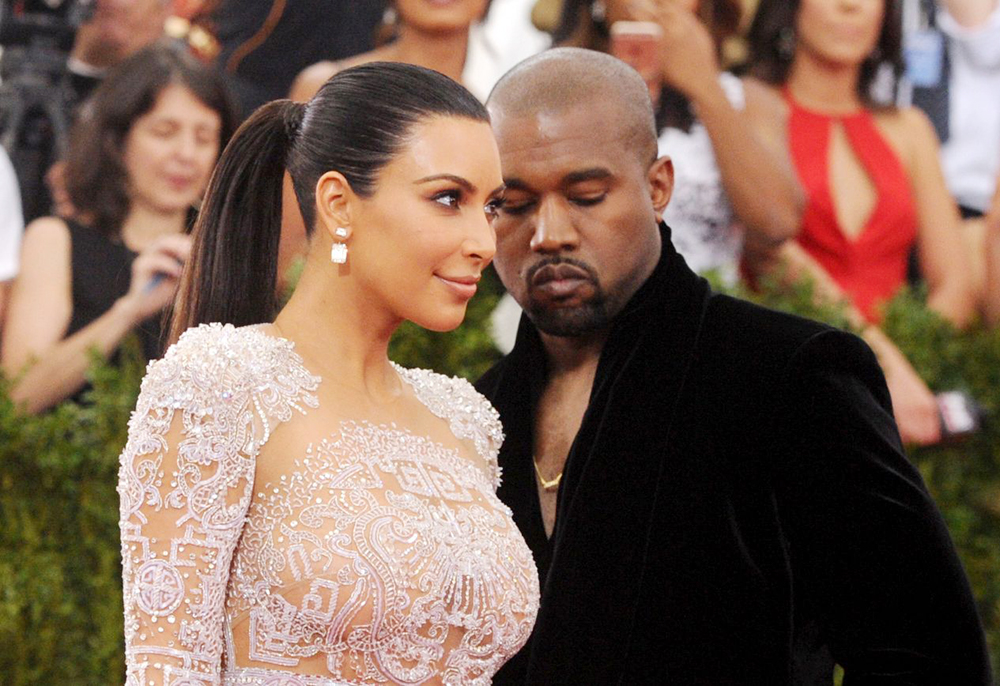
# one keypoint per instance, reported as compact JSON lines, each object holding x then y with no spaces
{"x":871,"y":174}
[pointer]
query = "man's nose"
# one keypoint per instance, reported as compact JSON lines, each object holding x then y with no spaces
{"x":554,"y":229}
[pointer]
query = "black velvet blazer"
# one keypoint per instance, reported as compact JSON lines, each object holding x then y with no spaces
{"x":735,"y":509}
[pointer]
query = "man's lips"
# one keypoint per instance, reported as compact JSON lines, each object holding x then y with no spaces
{"x":559,"y":280}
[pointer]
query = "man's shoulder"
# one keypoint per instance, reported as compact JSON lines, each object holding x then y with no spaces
{"x":759,"y":325}
{"x":745,"y":341}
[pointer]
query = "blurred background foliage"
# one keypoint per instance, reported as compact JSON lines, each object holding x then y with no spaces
{"x":60,"y":587}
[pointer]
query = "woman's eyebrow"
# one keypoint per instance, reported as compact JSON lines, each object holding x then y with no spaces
{"x":464,"y":183}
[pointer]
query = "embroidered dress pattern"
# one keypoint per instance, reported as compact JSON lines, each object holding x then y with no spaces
{"x":377,"y":557}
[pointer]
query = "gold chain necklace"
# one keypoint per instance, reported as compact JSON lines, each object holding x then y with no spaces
{"x":547,"y":484}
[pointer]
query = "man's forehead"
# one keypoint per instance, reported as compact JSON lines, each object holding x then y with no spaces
{"x":558,"y":147}
{"x":563,"y":122}
{"x":567,"y":132}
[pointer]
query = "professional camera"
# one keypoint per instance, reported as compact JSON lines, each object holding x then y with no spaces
{"x":35,"y":96}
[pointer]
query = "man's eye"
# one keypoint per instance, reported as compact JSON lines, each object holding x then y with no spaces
{"x":515,"y":207}
{"x":588,"y":200}
{"x":448,"y":198}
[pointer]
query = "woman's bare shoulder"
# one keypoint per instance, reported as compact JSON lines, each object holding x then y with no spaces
{"x":47,"y":229}
{"x":910,"y":131}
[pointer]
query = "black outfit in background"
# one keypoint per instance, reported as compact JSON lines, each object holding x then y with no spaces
{"x":101,"y":274}
{"x":36,"y":148}
{"x":735,"y":509}
{"x":308,"y":31}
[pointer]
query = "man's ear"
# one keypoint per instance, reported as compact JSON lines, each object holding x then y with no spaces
{"x":334,"y":200}
{"x":661,"y":184}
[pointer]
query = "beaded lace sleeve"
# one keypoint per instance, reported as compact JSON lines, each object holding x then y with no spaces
{"x":185,"y":482}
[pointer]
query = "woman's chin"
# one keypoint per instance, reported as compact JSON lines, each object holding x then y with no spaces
{"x":448,"y":319}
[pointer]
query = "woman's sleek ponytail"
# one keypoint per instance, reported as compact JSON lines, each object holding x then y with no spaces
{"x":356,"y":124}
{"x":232,"y":275}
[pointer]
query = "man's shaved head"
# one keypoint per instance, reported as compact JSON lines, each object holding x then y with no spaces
{"x":577,"y":231}
{"x":561,"y":79}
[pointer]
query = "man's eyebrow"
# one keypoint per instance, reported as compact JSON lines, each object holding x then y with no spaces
{"x":464,"y":183}
{"x":593,"y":174}
{"x":516,"y":184}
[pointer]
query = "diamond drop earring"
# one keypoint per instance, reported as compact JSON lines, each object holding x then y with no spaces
{"x":338,"y":253}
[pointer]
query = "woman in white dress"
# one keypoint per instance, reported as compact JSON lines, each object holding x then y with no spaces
{"x":295,"y":508}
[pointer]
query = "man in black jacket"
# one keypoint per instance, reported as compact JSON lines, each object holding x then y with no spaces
{"x":714,"y":493}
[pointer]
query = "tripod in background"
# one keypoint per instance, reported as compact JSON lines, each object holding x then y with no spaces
{"x":36,"y":98}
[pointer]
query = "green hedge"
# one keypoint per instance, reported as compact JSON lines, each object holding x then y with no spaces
{"x":60,"y":604}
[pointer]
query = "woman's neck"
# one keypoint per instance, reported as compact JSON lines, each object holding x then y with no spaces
{"x":339,"y":331}
{"x":443,"y":52}
{"x":823,"y":86}
{"x":143,"y":225}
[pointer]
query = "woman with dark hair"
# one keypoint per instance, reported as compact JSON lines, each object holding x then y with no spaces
{"x":295,"y":508}
{"x":453,"y":38}
{"x":139,"y":159}
{"x":733,"y":181}
{"x":871,"y":173}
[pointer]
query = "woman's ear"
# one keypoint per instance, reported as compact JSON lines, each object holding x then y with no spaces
{"x":661,"y":184}
{"x":334,"y":199}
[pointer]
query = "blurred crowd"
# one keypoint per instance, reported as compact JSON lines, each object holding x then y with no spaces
{"x":853,"y":141}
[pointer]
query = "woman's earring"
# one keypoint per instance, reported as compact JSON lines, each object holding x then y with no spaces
{"x":338,"y":253}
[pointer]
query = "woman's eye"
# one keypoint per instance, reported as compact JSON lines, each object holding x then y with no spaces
{"x":493,"y":207}
{"x":448,"y":198}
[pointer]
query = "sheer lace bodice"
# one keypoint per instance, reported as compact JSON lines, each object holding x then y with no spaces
{"x":378,"y":556}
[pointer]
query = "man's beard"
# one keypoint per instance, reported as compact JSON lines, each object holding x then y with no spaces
{"x":592,"y":314}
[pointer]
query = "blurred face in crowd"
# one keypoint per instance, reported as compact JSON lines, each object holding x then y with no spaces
{"x":839,"y":31}
{"x":623,"y":10}
{"x":119,"y":28}
{"x":420,"y":242}
{"x":440,"y":15}
{"x":170,"y":151}
{"x":577,"y":232}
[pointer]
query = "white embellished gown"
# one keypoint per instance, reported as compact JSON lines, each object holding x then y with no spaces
{"x":371,"y":556}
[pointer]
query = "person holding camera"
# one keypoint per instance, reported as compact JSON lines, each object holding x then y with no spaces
{"x":735,"y":184}
{"x":138,"y":162}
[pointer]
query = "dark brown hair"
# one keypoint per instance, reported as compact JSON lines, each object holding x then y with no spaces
{"x":356,"y":124}
{"x":96,"y":178}
{"x":771,"y":41}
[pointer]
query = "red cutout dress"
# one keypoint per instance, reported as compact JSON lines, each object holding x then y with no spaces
{"x":871,"y":267}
